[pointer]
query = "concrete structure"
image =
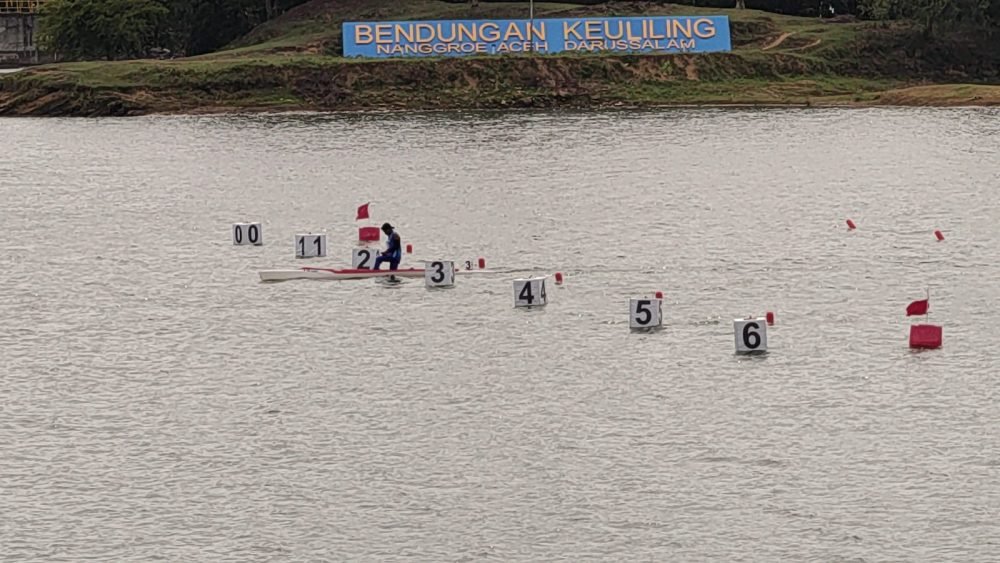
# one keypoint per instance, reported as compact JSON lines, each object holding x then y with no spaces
{"x":18,"y":21}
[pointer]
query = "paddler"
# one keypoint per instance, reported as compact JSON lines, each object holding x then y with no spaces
{"x":393,"y":252}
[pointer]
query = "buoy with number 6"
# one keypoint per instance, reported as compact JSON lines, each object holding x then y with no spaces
{"x":247,"y":233}
{"x":530,"y":292}
{"x":645,"y":313}
{"x":751,"y":335}
{"x":439,"y":273}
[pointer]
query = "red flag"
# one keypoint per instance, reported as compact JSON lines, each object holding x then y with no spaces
{"x":918,"y":307}
{"x":362,"y":212}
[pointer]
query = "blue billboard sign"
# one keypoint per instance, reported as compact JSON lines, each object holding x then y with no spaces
{"x":659,"y":34}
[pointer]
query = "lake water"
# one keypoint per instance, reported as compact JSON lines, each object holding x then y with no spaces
{"x":157,"y":402}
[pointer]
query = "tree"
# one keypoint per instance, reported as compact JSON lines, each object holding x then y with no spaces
{"x":110,"y":29}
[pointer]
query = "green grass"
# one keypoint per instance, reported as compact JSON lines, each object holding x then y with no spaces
{"x":292,"y":62}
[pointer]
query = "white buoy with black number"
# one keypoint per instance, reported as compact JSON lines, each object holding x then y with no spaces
{"x":439,"y":273}
{"x":363,"y":258}
{"x":751,"y":335}
{"x":530,"y":292}
{"x":310,"y":246}
{"x":248,"y":234}
{"x":645,"y":313}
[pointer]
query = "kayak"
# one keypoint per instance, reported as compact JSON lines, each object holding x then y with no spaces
{"x":309,"y":273}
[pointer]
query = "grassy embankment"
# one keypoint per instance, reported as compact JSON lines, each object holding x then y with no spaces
{"x":292,"y":63}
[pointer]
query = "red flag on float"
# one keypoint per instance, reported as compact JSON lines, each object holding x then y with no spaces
{"x":363,"y":212}
{"x":918,"y":307}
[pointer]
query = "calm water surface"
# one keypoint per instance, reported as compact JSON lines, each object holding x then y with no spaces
{"x":158,"y":403}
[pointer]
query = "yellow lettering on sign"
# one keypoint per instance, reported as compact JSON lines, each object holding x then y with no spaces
{"x":572,"y":29}
{"x":681,"y":28}
{"x":383,"y":33}
{"x":363,"y":34}
{"x":513,"y":30}
{"x":467,"y":32}
{"x":704,"y":28}
{"x":491,"y":28}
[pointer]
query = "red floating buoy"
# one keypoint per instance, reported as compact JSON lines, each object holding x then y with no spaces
{"x":938,"y":235}
{"x":850,"y":225}
{"x":659,"y":295}
{"x":482,"y":263}
{"x":925,"y":336}
{"x":369,"y":234}
{"x":770,"y":318}
{"x":409,"y":249}
{"x":559,"y":278}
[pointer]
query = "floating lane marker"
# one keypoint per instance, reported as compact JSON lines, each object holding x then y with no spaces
{"x":439,"y":273}
{"x":645,"y":313}
{"x":530,"y":292}
{"x":559,"y":278}
{"x":248,"y":233}
{"x":850,"y":225}
{"x":751,"y":335}
{"x":939,"y":235}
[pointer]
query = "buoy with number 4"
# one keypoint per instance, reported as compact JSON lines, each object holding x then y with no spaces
{"x":751,"y":335}
{"x":530,"y":292}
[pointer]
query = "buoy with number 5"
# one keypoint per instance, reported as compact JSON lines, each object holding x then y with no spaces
{"x":645,"y":313}
{"x":751,"y":335}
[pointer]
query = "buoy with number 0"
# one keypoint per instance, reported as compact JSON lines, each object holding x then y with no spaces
{"x":248,"y":233}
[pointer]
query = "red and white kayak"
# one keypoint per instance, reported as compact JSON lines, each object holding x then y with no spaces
{"x":308,"y":273}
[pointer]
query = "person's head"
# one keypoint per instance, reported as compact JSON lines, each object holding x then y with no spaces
{"x":387,"y":228}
